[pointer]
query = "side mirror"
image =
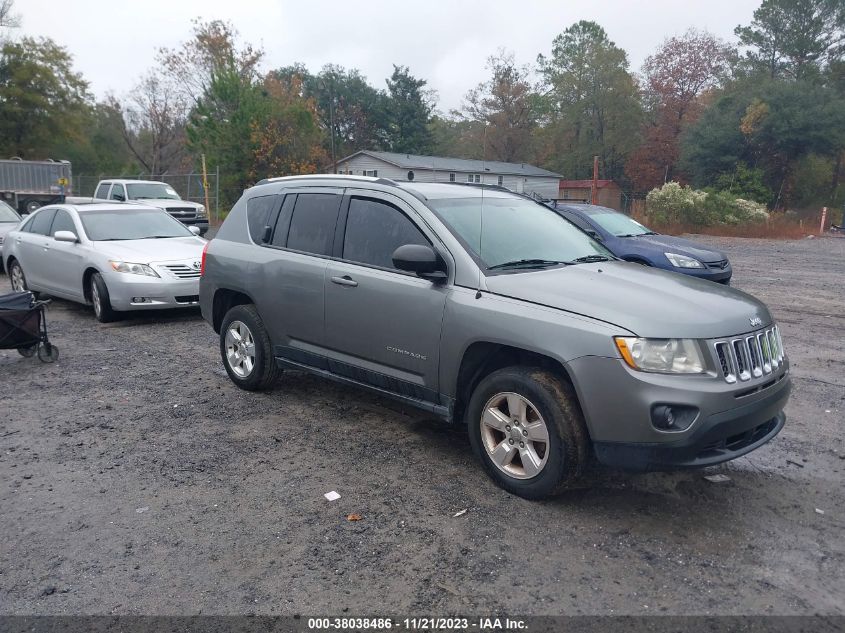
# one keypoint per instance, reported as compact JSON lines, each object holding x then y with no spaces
{"x":65,"y":236}
{"x":422,"y":260}
{"x":118,"y":197}
{"x":195,"y":230}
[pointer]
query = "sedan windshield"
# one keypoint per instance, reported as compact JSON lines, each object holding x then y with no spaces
{"x":103,"y":226}
{"x":619,"y":224}
{"x":8,"y":214}
{"x":516,"y":233}
{"x":151,"y":191}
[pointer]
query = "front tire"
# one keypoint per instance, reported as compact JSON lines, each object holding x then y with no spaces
{"x":246,"y":349}
{"x":17,"y":278}
{"x":100,"y":300}
{"x":527,"y":429}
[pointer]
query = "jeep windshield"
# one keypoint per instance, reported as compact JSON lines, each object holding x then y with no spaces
{"x":151,"y":191}
{"x":517,"y":234}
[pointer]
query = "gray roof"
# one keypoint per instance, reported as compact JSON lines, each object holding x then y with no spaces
{"x":444,"y":163}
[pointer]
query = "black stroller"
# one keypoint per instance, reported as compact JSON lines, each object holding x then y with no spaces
{"x":24,"y":328}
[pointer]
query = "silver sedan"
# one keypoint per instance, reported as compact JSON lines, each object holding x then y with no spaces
{"x":112,"y":256}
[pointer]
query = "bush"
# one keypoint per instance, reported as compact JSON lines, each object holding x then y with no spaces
{"x":676,"y":204}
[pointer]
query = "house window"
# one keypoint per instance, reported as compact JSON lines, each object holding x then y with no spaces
{"x":500,"y":180}
{"x":410,"y":175}
{"x":452,"y":177}
{"x":371,"y":172}
{"x":474,"y":178}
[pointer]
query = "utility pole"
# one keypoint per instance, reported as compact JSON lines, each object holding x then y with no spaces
{"x":331,"y":124}
{"x":205,"y":186}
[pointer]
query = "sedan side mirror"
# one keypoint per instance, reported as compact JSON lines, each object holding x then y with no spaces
{"x":422,"y":260}
{"x":195,"y":230}
{"x":65,"y":236}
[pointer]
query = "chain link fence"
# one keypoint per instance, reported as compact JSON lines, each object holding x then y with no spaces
{"x":188,"y":186}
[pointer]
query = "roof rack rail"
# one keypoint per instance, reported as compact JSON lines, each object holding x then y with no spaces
{"x":377,"y":180}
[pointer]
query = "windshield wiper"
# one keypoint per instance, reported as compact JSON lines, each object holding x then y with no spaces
{"x":592,"y":258}
{"x":157,"y":237}
{"x":115,"y":239}
{"x":527,"y":263}
{"x":638,"y":234}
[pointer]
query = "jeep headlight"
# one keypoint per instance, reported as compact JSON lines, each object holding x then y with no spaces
{"x":133,"y":269}
{"x":682,"y":261}
{"x":662,"y":355}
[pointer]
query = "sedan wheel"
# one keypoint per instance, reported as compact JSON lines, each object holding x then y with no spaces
{"x":17,"y":278}
{"x":240,"y":349}
{"x":514,"y":435}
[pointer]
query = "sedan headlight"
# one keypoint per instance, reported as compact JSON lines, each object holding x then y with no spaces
{"x":133,"y":269}
{"x":682,"y":261}
{"x":663,"y":355}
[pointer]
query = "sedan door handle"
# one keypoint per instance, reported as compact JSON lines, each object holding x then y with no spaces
{"x":346,"y":280}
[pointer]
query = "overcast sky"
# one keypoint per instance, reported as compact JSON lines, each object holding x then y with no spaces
{"x":445,"y":42}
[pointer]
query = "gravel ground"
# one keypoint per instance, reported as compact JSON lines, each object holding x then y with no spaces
{"x":136,"y":479}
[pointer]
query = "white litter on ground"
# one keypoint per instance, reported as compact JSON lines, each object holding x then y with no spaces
{"x":332,"y":496}
{"x":457,"y":514}
{"x":717,"y":479}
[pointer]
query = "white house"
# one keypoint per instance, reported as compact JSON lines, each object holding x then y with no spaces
{"x":519,"y":177}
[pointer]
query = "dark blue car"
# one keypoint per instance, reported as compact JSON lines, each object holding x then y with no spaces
{"x":628,"y":239}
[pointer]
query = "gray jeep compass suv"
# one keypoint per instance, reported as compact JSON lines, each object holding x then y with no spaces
{"x":490,"y":310}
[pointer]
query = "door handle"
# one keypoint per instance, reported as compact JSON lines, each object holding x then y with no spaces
{"x":346,"y":280}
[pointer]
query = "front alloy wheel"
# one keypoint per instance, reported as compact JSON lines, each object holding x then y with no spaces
{"x":240,"y":349}
{"x":17,"y":278}
{"x":515,"y":435}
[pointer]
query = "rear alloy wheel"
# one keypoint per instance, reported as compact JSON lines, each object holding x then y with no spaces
{"x":17,"y":277}
{"x":246,"y":350}
{"x":526,"y":427}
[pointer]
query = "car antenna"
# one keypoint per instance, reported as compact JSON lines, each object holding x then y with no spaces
{"x":481,"y":212}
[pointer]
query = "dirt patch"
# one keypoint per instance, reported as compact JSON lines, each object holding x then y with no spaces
{"x":136,"y":479}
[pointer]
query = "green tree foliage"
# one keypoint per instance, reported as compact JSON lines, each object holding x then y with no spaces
{"x":352,"y":114}
{"x":43,"y":101}
{"x":409,"y":108}
{"x":769,"y":126}
{"x":591,"y":102}
{"x":456,"y":136}
{"x":508,"y":106}
{"x":794,"y":38}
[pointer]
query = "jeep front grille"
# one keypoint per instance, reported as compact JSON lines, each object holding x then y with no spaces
{"x":749,"y":356}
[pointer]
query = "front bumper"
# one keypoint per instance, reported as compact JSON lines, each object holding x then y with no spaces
{"x":159,"y":293}
{"x":731,"y":422}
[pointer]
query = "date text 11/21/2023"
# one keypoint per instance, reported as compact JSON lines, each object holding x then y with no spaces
{"x":417,"y":624}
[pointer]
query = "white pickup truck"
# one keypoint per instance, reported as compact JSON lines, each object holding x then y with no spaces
{"x":151,"y":193}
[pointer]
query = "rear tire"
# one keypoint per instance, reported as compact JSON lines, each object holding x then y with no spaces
{"x":246,"y":350}
{"x":526,"y":427}
{"x":100,"y":300}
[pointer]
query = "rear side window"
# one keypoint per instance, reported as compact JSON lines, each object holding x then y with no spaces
{"x":41,"y":223}
{"x":103,"y":191}
{"x":258,"y":212}
{"x":117,"y":193}
{"x":312,"y":225}
{"x":374,"y":230}
{"x":63,"y":222}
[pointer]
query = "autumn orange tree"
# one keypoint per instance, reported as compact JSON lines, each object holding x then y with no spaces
{"x":286,"y":139}
{"x":677,"y":79}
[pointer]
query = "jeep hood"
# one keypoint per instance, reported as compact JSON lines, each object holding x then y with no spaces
{"x":645,"y":301}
